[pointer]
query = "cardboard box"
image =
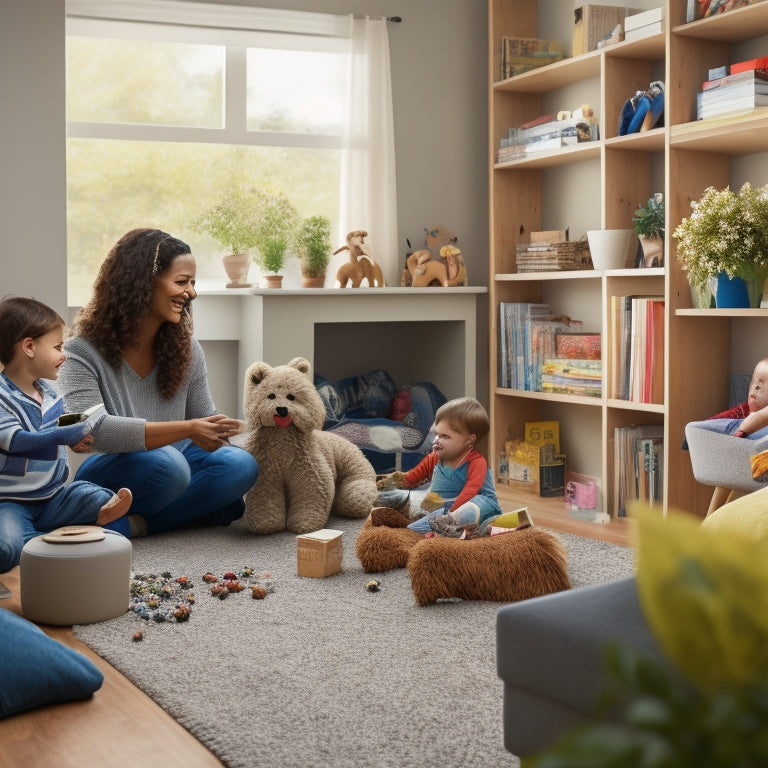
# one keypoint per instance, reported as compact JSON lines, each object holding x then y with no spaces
{"x":594,"y":22}
{"x":319,"y":554}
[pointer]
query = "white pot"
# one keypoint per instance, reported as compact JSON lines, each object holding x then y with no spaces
{"x":612,"y":248}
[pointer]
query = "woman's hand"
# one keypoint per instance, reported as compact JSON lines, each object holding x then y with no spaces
{"x":84,"y":446}
{"x":213,"y":432}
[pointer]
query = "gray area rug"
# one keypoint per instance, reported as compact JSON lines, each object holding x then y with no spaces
{"x":323,"y":672}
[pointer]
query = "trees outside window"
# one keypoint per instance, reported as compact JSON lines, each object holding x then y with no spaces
{"x":164,"y":118}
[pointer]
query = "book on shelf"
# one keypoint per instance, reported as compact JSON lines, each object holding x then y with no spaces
{"x":761,"y":62}
{"x":541,"y":333}
{"x":513,"y":317}
{"x":521,"y":54}
{"x":748,"y":77}
{"x":649,"y":460}
{"x":572,"y":377}
{"x":627,"y":480}
{"x":708,"y":108}
{"x":637,"y":349}
{"x":578,"y":346}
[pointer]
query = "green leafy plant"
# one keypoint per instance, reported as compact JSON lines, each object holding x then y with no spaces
{"x":648,"y":220}
{"x":726,"y":232}
{"x":277,"y":221}
{"x":313,"y":245}
{"x":234,"y":221}
{"x":703,"y":592}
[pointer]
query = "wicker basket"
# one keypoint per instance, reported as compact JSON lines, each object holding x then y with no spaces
{"x":565,"y":256}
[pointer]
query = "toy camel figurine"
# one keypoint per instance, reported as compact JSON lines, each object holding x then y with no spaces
{"x":360,"y":265}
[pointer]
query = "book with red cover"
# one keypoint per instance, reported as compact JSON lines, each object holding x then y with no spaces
{"x":578,"y":346}
{"x":745,"y":66}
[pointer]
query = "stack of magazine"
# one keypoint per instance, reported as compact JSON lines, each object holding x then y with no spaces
{"x":738,"y":92}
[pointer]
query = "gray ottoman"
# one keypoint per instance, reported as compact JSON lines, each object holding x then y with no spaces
{"x":549,"y":654}
{"x":74,"y":581}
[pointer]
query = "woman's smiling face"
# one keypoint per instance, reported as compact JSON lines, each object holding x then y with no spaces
{"x":174,"y":289}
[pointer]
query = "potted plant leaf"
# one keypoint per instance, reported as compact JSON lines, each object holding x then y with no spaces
{"x":726,"y":239}
{"x":277,"y":221}
{"x":649,"y":223}
{"x":234,"y":222}
{"x":313,"y":246}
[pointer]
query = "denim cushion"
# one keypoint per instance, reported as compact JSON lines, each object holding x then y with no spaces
{"x":36,"y":670}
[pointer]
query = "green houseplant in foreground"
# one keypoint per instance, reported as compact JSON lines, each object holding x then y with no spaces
{"x":726,"y":233}
{"x":313,"y":246}
{"x":649,"y":223}
{"x":703,"y":593}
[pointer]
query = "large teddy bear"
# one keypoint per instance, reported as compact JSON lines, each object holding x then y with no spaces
{"x":305,"y":474}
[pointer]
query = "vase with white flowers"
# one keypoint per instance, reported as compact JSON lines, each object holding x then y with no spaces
{"x":726,"y":238}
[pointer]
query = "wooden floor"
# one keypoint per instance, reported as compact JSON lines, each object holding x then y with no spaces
{"x":123,"y":728}
{"x":119,"y":727}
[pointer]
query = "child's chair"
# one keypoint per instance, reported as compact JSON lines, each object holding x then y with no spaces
{"x":724,"y":462}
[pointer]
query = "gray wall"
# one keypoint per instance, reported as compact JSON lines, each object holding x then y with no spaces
{"x":439,"y":70}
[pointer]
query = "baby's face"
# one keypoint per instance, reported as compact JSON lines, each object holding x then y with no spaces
{"x":451,"y":444}
{"x":758,"y":387}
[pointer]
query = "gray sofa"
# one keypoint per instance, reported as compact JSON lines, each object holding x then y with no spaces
{"x":549,"y":656}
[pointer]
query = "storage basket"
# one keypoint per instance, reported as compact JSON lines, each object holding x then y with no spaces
{"x":565,"y":256}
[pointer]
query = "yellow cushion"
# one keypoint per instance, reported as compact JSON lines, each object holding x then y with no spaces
{"x":747,"y":515}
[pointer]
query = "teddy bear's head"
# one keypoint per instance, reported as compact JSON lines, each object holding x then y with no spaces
{"x":283,"y":397}
{"x":437,"y":237}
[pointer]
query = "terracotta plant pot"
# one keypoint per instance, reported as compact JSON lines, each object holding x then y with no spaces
{"x":273,"y":281}
{"x":236,"y":266}
{"x":313,"y":282}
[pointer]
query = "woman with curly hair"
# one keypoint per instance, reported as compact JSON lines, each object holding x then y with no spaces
{"x":133,"y":350}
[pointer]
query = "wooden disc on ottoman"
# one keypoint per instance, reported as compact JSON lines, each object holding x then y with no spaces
{"x":72,"y":579}
{"x":506,"y":568}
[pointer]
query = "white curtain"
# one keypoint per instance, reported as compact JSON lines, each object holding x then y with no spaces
{"x":368,"y":197}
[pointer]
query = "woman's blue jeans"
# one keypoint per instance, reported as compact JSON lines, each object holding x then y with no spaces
{"x":176,"y":489}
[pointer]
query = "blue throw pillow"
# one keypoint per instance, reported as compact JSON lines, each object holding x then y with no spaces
{"x":36,"y":670}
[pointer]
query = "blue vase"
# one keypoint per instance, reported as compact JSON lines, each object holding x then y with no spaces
{"x":731,"y":293}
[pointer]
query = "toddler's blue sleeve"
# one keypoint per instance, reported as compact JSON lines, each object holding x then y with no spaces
{"x":45,"y":443}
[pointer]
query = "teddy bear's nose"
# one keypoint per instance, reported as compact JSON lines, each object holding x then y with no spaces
{"x":281,"y":410}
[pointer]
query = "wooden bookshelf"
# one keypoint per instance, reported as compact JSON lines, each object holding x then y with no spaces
{"x":680,"y":158}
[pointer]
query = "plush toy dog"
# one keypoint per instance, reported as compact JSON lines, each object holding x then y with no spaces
{"x":305,"y":474}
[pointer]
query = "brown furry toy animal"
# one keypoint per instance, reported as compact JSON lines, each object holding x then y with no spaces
{"x":441,"y":263}
{"x":361,"y":265}
{"x":305,"y":474}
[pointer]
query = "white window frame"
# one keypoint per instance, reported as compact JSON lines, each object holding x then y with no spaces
{"x":237,"y":28}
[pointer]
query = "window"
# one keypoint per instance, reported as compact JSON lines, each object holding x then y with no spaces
{"x":169,"y":104}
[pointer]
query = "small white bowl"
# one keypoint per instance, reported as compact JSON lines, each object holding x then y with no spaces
{"x":613,"y":248}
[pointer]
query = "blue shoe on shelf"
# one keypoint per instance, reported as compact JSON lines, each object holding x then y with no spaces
{"x":628,"y":113}
{"x":650,"y":108}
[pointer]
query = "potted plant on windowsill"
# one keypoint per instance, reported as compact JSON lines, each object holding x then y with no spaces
{"x":313,"y":246}
{"x":726,"y":239}
{"x":649,"y":223}
{"x":234,"y":223}
{"x":277,"y":220}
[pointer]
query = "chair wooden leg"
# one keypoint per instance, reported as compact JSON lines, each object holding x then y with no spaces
{"x":722,"y":496}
